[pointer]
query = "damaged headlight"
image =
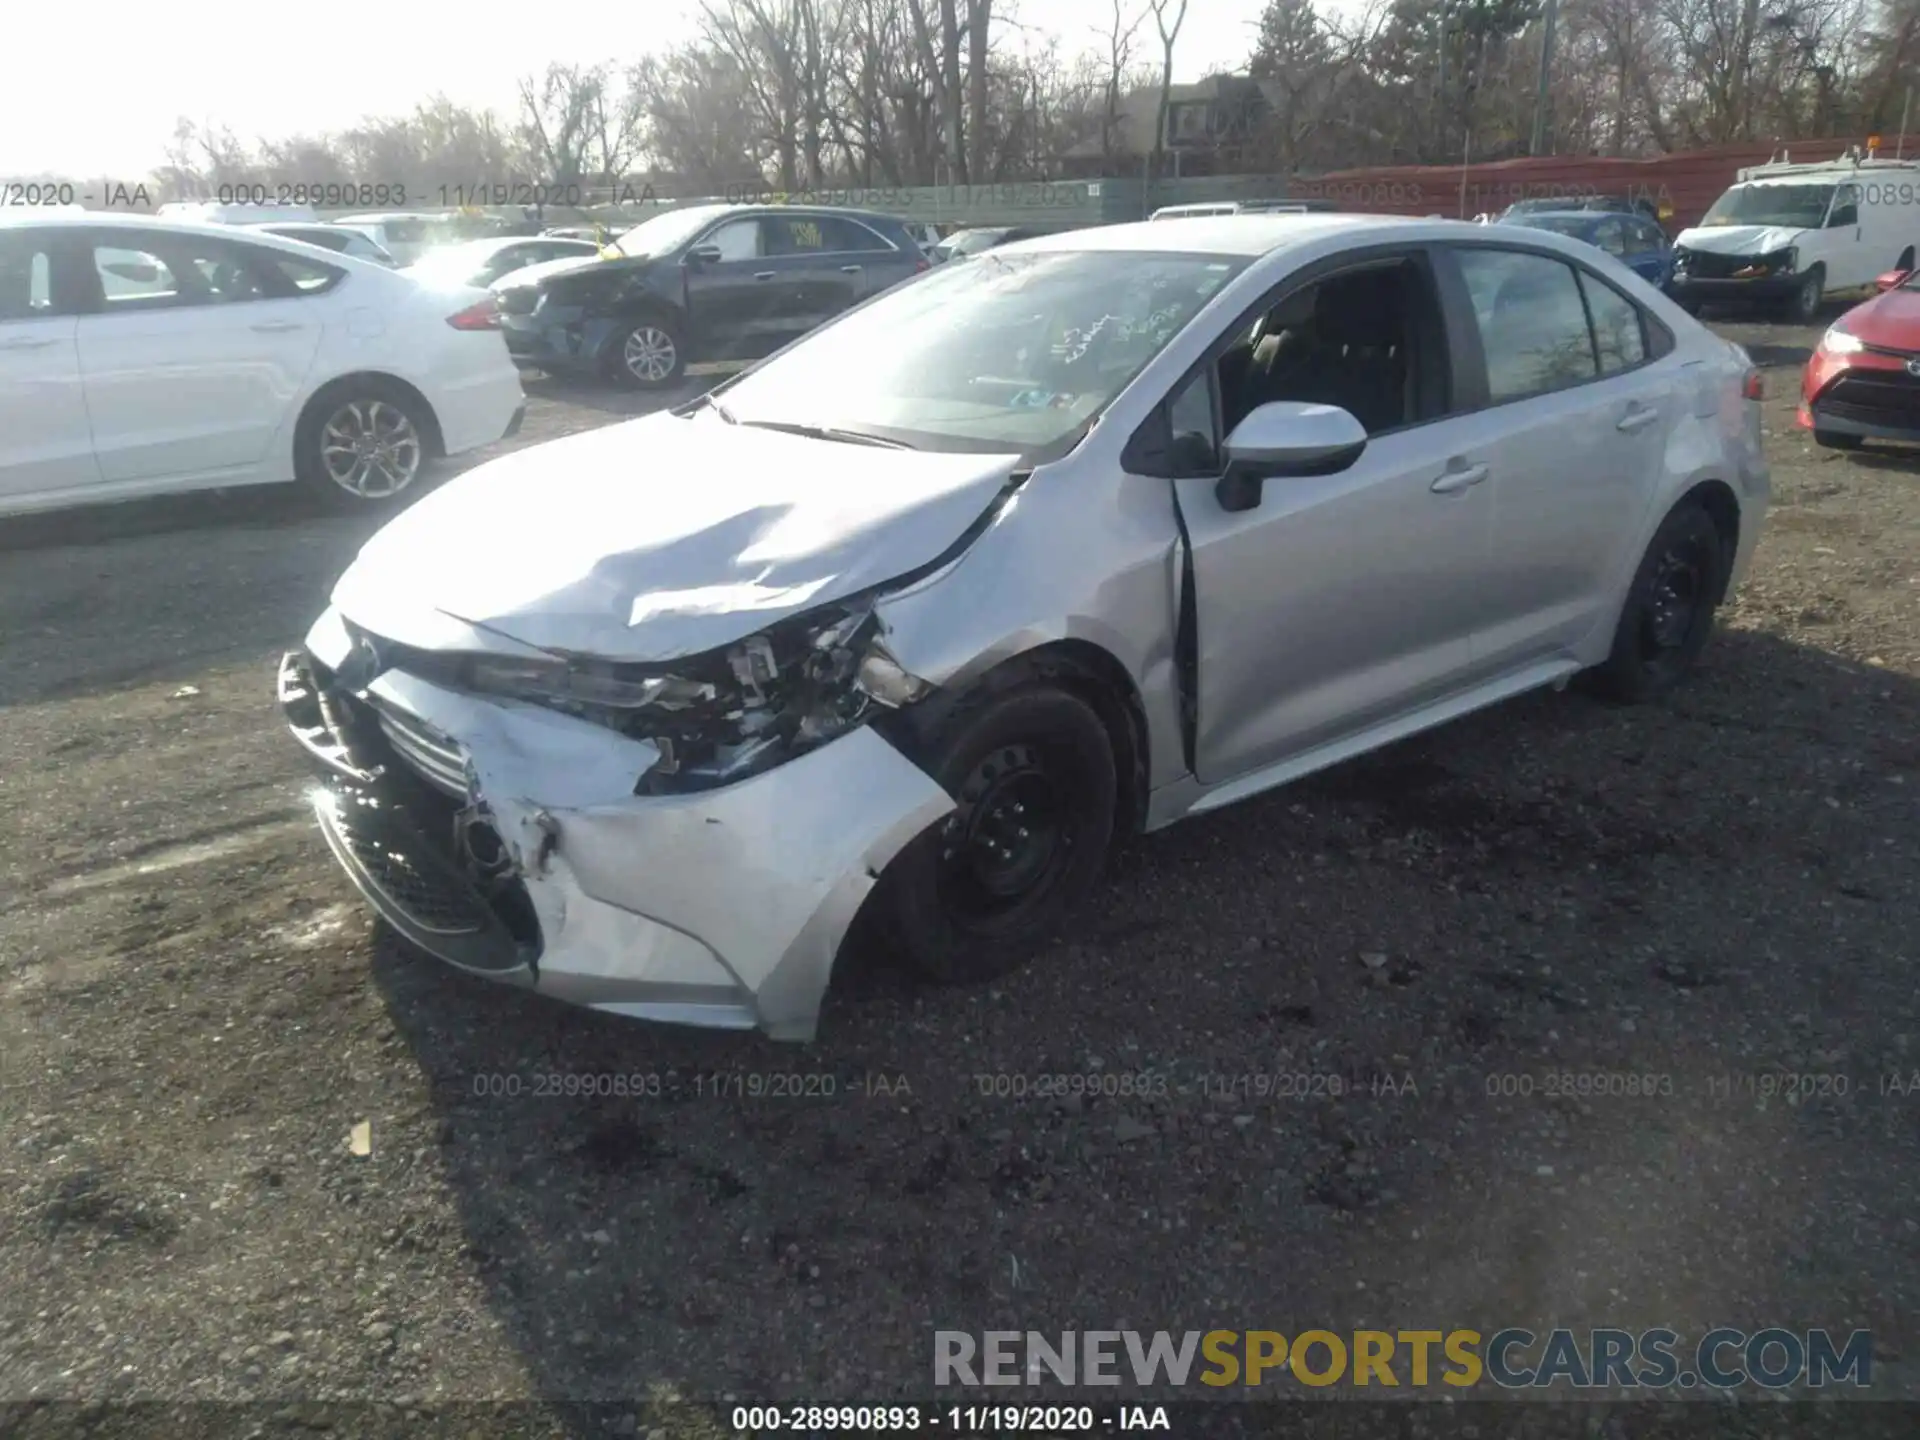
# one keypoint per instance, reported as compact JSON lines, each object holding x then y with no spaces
{"x":722,"y":716}
{"x":562,"y":685}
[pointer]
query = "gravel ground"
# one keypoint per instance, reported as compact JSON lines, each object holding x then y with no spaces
{"x":195,"y":1013}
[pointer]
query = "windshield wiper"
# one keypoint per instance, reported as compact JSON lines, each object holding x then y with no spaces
{"x":712,"y":402}
{"x":828,"y":432}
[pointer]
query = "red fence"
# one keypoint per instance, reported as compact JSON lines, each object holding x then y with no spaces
{"x":1689,"y":182}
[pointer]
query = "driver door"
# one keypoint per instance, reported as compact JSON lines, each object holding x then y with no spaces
{"x":1339,"y":601}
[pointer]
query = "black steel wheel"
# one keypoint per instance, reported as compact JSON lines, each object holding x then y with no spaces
{"x":1805,"y":303}
{"x":1032,"y":774}
{"x":1669,"y":610}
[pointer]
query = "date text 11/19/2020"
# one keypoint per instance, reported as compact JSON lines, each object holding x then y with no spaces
{"x":955,"y":1419}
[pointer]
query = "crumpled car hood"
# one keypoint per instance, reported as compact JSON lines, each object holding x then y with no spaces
{"x":659,"y":538}
{"x":1739,"y":239}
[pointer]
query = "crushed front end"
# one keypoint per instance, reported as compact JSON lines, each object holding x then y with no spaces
{"x":686,"y":843}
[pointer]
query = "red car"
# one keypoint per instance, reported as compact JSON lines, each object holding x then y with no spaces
{"x":1863,"y":382}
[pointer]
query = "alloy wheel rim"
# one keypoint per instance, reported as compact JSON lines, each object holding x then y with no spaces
{"x":371,"y":449}
{"x":1008,"y":837}
{"x":649,"y":354}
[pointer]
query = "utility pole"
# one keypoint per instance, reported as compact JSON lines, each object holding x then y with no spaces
{"x":1546,"y":74}
{"x":1440,"y":91}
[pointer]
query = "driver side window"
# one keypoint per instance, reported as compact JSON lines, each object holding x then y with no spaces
{"x":738,"y":240}
{"x":1846,"y":209}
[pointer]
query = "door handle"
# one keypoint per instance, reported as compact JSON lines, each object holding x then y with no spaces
{"x":1453,"y":481}
{"x":1638,"y":418}
{"x":763,"y":274}
{"x":28,"y":342}
{"x":851,"y":269}
{"x":278,"y":327}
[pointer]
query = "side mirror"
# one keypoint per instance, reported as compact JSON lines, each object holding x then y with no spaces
{"x":1892,"y":280}
{"x":1286,"y":438}
{"x":704,"y":255}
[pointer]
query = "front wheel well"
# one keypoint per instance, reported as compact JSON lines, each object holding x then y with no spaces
{"x":327,"y":394}
{"x":1078,"y":666}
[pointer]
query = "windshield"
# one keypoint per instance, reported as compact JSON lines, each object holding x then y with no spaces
{"x":1011,"y":353}
{"x":1799,"y":207}
{"x":669,"y":231}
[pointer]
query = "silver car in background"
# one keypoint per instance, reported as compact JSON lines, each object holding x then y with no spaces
{"x":892,"y":635}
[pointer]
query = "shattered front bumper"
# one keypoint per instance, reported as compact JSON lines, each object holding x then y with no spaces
{"x":506,"y":839}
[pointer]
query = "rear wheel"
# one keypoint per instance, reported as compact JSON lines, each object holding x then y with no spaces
{"x":650,"y":355}
{"x":1669,"y":611}
{"x":1032,"y":773}
{"x":362,"y":445}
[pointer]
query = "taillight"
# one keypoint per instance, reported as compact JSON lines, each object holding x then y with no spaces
{"x":1754,"y":386}
{"x":483,"y":315}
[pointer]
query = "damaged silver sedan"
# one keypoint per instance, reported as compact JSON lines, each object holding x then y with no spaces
{"x":906,"y":624}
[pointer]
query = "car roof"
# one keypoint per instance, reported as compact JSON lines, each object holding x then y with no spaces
{"x":1243,"y":235}
{"x":264,"y":236}
{"x":1591,"y":217}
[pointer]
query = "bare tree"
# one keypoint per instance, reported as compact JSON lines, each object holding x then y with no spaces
{"x":557,"y":111}
{"x":1169,"y":33}
{"x":1119,"y":37}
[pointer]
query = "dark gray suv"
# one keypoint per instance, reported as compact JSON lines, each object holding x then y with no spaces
{"x":705,"y":283}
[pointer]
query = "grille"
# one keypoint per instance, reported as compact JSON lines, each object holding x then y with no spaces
{"x":436,"y":758}
{"x":430,"y":898}
{"x":1884,"y":397}
{"x":1703,"y":266}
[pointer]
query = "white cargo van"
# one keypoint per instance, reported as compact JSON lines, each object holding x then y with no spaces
{"x":1790,"y":235}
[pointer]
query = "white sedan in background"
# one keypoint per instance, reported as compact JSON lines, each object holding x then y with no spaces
{"x":141,"y":356}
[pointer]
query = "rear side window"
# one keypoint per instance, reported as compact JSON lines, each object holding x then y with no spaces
{"x":1532,"y":321}
{"x":850,"y":235}
{"x":308,"y":277}
{"x":1617,"y":333}
{"x":26,"y":276}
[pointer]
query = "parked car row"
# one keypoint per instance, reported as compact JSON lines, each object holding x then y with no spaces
{"x":894,"y":633}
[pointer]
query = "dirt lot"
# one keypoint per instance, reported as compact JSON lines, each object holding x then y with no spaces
{"x":195,"y":1012}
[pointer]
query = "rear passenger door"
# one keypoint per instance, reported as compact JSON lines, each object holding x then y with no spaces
{"x":821,"y":268}
{"x":1575,"y":407}
{"x":193,"y":352}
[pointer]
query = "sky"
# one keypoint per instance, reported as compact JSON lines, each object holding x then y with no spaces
{"x":90,"y":109}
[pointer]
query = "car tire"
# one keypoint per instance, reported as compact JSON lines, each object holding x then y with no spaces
{"x":1805,"y":303}
{"x":649,"y":354}
{"x":1032,"y":772}
{"x":1669,"y":609}
{"x":1828,"y":440}
{"x":363,"y":445}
